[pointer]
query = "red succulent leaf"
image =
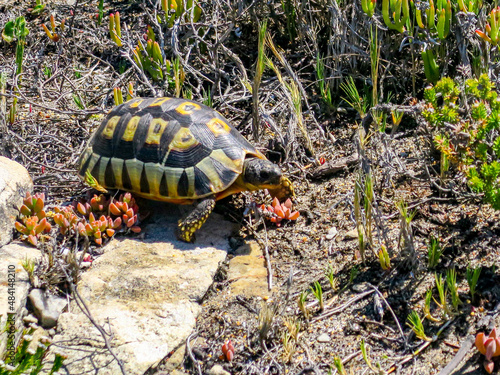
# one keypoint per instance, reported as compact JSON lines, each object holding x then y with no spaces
{"x":91,"y":218}
{"x":82,"y":229}
{"x":21,"y":228}
{"x":279,"y":212}
{"x":489,"y":366}
{"x":97,"y":234}
{"x":276,"y":202}
{"x":38,"y":206}
{"x":32,"y":240}
{"x":81,"y":209}
{"x":130,"y":212}
{"x":491,"y":347}
{"x":288,"y":203}
{"x":135,"y":229}
{"x":493,"y":333}
{"x":114,"y":209}
{"x":131,"y":221}
{"x":110,"y":232}
{"x":294,"y":215}
{"x":98,"y":241}
{"x":117,"y":223}
{"x":25,"y":210}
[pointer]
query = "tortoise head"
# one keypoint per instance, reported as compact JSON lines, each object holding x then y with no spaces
{"x":262,"y":174}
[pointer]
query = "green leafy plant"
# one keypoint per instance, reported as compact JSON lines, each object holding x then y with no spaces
{"x":468,"y":139}
{"x":353,"y":98}
{"x":434,"y":252}
{"x":317,"y":291}
{"x":431,"y":68}
{"x":427,"y":307}
{"x":443,"y":297}
{"x":174,"y":9}
{"x":451,"y":281}
{"x":395,"y":14}
{"x":115,"y":28}
{"x":491,"y":33}
{"x":332,"y":280}
{"x":26,"y":360}
{"x":100,"y":14}
{"x":302,"y":304}
{"x":323,"y":85}
{"x":368,"y":7}
{"x":39,"y":7}
{"x":384,"y":259}
{"x":472,"y":275}
{"x":415,"y":323}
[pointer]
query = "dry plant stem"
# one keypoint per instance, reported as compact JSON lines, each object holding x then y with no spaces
{"x":348,"y":359}
{"x":268,"y":261}
{"x":341,"y":308}
{"x":403,"y":337}
{"x":190,"y":353}
{"x":84,"y":308}
{"x":420,"y":348}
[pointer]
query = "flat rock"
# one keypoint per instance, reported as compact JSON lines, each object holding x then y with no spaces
{"x":13,"y":255}
{"x":15,"y":181}
{"x":324,"y":337}
{"x":218,"y":370}
{"x":47,"y":307}
{"x":145,"y":293}
{"x":248,"y":273}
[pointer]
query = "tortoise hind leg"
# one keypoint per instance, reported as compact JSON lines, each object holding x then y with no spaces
{"x":195,"y":219}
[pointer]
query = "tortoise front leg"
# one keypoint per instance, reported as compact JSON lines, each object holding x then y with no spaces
{"x":195,"y":219}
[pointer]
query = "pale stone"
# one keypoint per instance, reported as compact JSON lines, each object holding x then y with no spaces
{"x":47,"y":307}
{"x":13,"y":255}
{"x":324,"y":337}
{"x":15,"y":181}
{"x":248,"y":273}
{"x":351,"y":235}
{"x":218,"y":370}
{"x":145,"y":294}
{"x":331,"y":233}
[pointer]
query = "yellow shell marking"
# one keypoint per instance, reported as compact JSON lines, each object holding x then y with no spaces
{"x":136,"y":103}
{"x":117,"y":165}
{"x":134,"y":169}
{"x":218,"y":126}
{"x":173,"y":176}
{"x":234,"y":165}
{"x":109,"y":129}
{"x":129,"y":133}
{"x":158,"y":102}
{"x":102,"y":169}
{"x":209,"y":170}
{"x":187,"y":108}
{"x":156,"y":128}
{"x":183,"y":140}
{"x":93,"y":159}
{"x":154,"y":172}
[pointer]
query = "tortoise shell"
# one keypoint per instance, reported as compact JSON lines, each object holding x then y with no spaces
{"x":166,"y":149}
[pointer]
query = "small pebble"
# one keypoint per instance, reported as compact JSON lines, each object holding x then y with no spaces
{"x":331,"y":233}
{"x":323,"y":338}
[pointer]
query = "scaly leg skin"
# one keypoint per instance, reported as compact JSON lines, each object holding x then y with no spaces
{"x":195,"y":219}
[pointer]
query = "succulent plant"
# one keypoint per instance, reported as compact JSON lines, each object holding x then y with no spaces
{"x":52,"y":33}
{"x":489,"y":346}
{"x":66,"y":219}
{"x":491,"y":33}
{"x":126,"y":209}
{"x":32,"y":217}
{"x":277,"y":211}
{"x":228,"y":351}
{"x":104,"y":227}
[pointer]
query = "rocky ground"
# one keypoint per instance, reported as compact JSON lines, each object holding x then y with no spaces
{"x":163,"y":307}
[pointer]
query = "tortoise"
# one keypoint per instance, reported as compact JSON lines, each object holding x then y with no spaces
{"x":179,"y":151}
